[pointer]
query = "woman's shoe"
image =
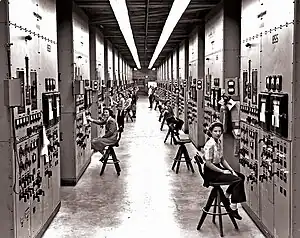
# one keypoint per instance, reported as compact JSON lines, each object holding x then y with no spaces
{"x":236,"y":214}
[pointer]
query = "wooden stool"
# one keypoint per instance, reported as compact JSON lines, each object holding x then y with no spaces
{"x":215,"y":199}
{"x":182,"y":153}
{"x":111,"y":152}
{"x":127,"y":114}
{"x":162,"y":123}
{"x":170,"y":133}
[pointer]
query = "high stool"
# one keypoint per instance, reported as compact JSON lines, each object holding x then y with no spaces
{"x":170,"y":133}
{"x":127,"y":114}
{"x":111,"y":152}
{"x":182,"y":155}
{"x":163,"y":122}
{"x":215,"y":199}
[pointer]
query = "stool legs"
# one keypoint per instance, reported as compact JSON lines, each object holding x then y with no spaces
{"x":178,"y":155}
{"x":116,"y":163}
{"x":210,"y":201}
{"x":215,"y":211}
{"x":162,"y":123}
{"x":104,"y":165}
{"x":170,"y":132}
{"x":182,"y":151}
{"x":217,"y":197}
{"x":110,"y":151}
{"x":127,"y":114}
{"x":219,"y":211}
{"x":226,"y":204}
{"x":188,"y":159}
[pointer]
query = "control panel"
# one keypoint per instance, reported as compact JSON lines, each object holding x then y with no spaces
{"x":250,"y":163}
{"x":32,"y":146}
{"x":249,"y":97}
{"x":181,"y":102}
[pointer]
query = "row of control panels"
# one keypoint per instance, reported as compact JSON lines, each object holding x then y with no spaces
{"x":192,"y":111}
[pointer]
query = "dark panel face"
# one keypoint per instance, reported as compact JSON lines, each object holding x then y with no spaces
{"x":147,"y":18}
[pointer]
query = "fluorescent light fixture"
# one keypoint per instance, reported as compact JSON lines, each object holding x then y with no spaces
{"x":121,"y":13}
{"x":175,"y":14}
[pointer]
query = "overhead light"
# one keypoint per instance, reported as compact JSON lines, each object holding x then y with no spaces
{"x":175,"y":14}
{"x":154,"y":69}
{"x":121,"y":13}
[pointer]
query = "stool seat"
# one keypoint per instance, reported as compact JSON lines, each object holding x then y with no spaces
{"x":183,"y":141}
{"x":215,"y":184}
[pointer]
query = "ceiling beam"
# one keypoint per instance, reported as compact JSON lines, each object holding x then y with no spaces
{"x":106,"y":5}
{"x":100,"y":20}
{"x":190,"y":21}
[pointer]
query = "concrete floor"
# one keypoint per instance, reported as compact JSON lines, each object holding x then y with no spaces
{"x":147,"y":200}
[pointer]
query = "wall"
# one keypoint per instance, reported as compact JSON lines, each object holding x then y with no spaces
{"x":142,"y":74}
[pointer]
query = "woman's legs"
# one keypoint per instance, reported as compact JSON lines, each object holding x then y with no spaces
{"x":236,"y":187}
{"x":97,"y":145}
{"x":120,"y":119}
{"x":237,"y":190}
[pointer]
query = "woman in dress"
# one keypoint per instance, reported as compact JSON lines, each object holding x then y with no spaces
{"x":111,"y":131}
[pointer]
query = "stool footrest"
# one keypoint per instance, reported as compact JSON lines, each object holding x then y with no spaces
{"x":116,"y":162}
{"x":215,"y":213}
{"x":215,"y":199}
{"x":179,"y":160}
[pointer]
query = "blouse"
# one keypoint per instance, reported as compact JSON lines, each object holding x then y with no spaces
{"x":213,"y":151}
{"x":121,"y":104}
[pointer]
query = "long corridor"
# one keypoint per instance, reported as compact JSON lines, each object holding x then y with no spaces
{"x":147,"y":200}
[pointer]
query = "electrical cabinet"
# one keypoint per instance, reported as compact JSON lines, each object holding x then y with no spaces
{"x":75,"y":72}
{"x":30,"y":134}
{"x":269,"y":89}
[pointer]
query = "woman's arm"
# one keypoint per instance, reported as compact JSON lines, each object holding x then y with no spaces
{"x":210,"y":165}
{"x":114,"y":102}
{"x":209,"y":157}
{"x":98,"y":122}
{"x":227,"y":166}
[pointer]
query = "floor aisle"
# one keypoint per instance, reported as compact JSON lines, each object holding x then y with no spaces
{"x":148,"y":200}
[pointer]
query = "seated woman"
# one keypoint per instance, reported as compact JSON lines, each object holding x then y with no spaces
{"x":216,"y":169}
{"x":111,"y":131}
{"x":170,"y":117}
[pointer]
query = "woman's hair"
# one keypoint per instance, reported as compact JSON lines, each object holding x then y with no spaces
{"x":216,"y":124}
{"x":109,"y":111}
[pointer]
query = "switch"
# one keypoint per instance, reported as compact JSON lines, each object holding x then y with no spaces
{"x":279,"y":82}
{"x":268,"y":82}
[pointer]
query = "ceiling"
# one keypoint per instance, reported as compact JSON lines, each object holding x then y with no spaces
{"x":147,"y":18}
